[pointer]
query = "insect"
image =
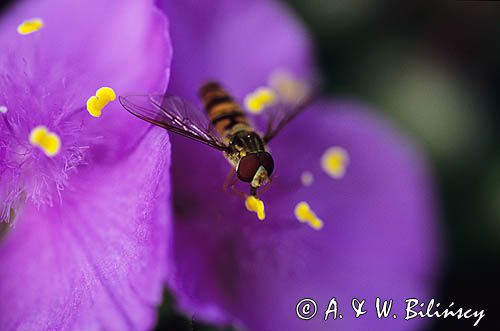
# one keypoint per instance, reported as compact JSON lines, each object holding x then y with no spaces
{"x":225,"y":127}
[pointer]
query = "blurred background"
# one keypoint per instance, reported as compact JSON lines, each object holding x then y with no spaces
{"x":434,"y":70}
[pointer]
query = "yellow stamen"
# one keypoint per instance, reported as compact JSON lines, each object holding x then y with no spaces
{"x":254,"y":204}
{"x":260,"y":99}
{"x":102,"y":97}
{"x":304,"y":214}
{"x":30,"y":26}
{"x":290,"y":89}
{"x":47,"y":141}
{"x":335,"y":161}
{"x":307,"y":178}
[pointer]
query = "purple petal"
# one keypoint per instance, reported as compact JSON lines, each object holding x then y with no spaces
{"x":237,"y":42}
{"x":92,"y":261}
{"x":378,"y":240}
{"x":85,"y":45}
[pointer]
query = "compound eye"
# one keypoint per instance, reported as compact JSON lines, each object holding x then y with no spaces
{"x":247,"y":167}
{"x":266,"y":160}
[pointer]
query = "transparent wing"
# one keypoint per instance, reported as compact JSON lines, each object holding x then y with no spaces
{"x":279,"y":115}
{"x":176,"y":115}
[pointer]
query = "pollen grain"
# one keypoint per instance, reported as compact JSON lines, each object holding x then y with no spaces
{"x":254,"y":204}
{"x":97,"y":102}
{"x":290,"y":90}
{"x":30,"y":26}
{"x":335,"y":161}
{"x":304,"y":214}
{"x":259,"y":100}
{"x":307,"y":178}
{"x":48,"y":142}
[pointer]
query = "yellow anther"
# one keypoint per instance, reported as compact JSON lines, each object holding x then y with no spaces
{"x":254,"y":204}
{"x":102,"y":97}
{"x":260,"y":99}
{"x":307,"y":178}
{"x":106,"y":93}
{"x":47,"y":141}
{"x":304,"y":214}
{"x":335,"y":161}
{"x":290,"y":89}
{"x":30,"y":26}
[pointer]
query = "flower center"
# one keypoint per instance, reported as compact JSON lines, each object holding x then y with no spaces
{"x":36,"y":160}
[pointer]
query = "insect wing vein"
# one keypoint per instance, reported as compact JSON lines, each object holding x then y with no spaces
{"x":173,"y":113}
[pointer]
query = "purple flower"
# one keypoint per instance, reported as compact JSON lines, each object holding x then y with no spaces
{"x":84,"y":228}
{"x":361,"y":179}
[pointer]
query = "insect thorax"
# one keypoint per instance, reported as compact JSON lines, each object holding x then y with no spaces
{"x":231,"y":122}
{"x":246,"y":142}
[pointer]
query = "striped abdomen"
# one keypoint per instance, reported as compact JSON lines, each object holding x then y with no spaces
{"x":226,"y":115}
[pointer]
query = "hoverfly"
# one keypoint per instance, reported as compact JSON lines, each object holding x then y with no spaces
{"x":225,"y":127}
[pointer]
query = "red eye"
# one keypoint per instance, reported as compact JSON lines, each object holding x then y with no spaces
{"x":266,"y":160}
{"x":247,"y":167}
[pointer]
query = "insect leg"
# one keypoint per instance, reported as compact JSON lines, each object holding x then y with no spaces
{"x":230,"y":176}
{"x":234,"y":190}
{"x":266,"y":187}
